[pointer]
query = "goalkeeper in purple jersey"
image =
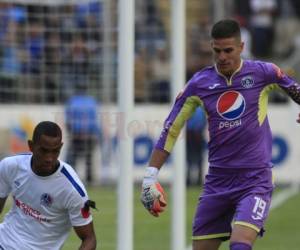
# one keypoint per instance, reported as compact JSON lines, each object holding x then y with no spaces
{"x":238,"y":187}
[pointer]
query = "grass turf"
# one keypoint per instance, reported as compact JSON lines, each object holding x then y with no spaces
{"x":282,"y":228}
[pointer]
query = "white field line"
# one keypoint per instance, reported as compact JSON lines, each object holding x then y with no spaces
{"x":278,"y":199}
{"x":283,"y":196}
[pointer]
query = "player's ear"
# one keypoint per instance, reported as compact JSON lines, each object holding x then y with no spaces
{"x":30,"y":145}
{"x":242,"y":45}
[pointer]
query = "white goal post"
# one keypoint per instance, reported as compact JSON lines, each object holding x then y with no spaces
{"x":125,"y":104}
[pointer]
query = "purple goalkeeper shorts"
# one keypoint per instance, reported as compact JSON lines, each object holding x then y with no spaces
{"x":232,"y":196}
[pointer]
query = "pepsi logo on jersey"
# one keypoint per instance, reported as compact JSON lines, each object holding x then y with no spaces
{"x":230,"y":106}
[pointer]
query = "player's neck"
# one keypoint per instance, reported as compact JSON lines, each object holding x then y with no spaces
{"x":36,"y":169}
{"x":228,"y":74}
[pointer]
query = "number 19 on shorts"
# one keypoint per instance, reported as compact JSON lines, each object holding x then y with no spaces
{"x":259,"y":208}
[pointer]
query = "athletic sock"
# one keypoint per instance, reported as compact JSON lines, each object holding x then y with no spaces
{"x":240,"y":246}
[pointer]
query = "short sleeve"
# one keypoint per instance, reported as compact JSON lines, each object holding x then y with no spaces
{"x":186,"y":103}
{"x":275,"y":75}
{"x":79,"y":211}
{"x":5,"y":187}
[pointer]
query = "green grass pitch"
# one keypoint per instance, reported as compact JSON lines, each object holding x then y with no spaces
{"x":282,"y":228}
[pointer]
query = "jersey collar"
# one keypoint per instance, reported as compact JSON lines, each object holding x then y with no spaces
{"x":229,"y":81}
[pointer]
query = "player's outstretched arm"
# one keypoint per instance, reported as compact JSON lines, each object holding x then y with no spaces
{"x":87,"y":235}
{"x":158,"y":158}
{"x":2,"y":203}
{"x":294,"y":92}
{"x":153,"y":195}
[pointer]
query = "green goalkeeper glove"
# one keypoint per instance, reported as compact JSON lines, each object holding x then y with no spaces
{"x":153,"y":195}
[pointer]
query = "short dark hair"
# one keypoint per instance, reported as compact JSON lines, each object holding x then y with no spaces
{"x":226,"y":28}
{"x":46,"y":128}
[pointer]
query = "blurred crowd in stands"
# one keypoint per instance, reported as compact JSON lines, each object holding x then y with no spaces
{"x":46,"y":49}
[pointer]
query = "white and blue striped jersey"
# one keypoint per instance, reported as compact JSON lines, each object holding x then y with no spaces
{"x":44,"y":208}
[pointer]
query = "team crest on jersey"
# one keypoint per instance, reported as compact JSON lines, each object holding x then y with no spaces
{"x":247,"y":82}
{"x":231,"y":105}
{"x":46,"y":200}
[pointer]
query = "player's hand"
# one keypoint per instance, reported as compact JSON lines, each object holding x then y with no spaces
{"x":153,"y":198}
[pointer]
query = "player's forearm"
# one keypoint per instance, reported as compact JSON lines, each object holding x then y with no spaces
{"x":152,"y":195}
{"x":88,"y":244}
{"x":294,"y":92}
{"x":158,"y":158}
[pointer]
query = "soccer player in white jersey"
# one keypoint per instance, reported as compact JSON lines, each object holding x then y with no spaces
{"x":48,"y":197}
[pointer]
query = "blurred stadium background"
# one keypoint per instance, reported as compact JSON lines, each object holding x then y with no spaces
{"x":49,"y":46}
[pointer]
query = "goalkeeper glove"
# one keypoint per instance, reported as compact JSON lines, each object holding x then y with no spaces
{"x":153,"y":195}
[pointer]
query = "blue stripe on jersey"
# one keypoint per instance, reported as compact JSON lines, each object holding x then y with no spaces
{"x":74,"y":183}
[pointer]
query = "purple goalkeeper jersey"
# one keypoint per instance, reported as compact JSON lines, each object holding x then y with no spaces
{"x":236,"y":109}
